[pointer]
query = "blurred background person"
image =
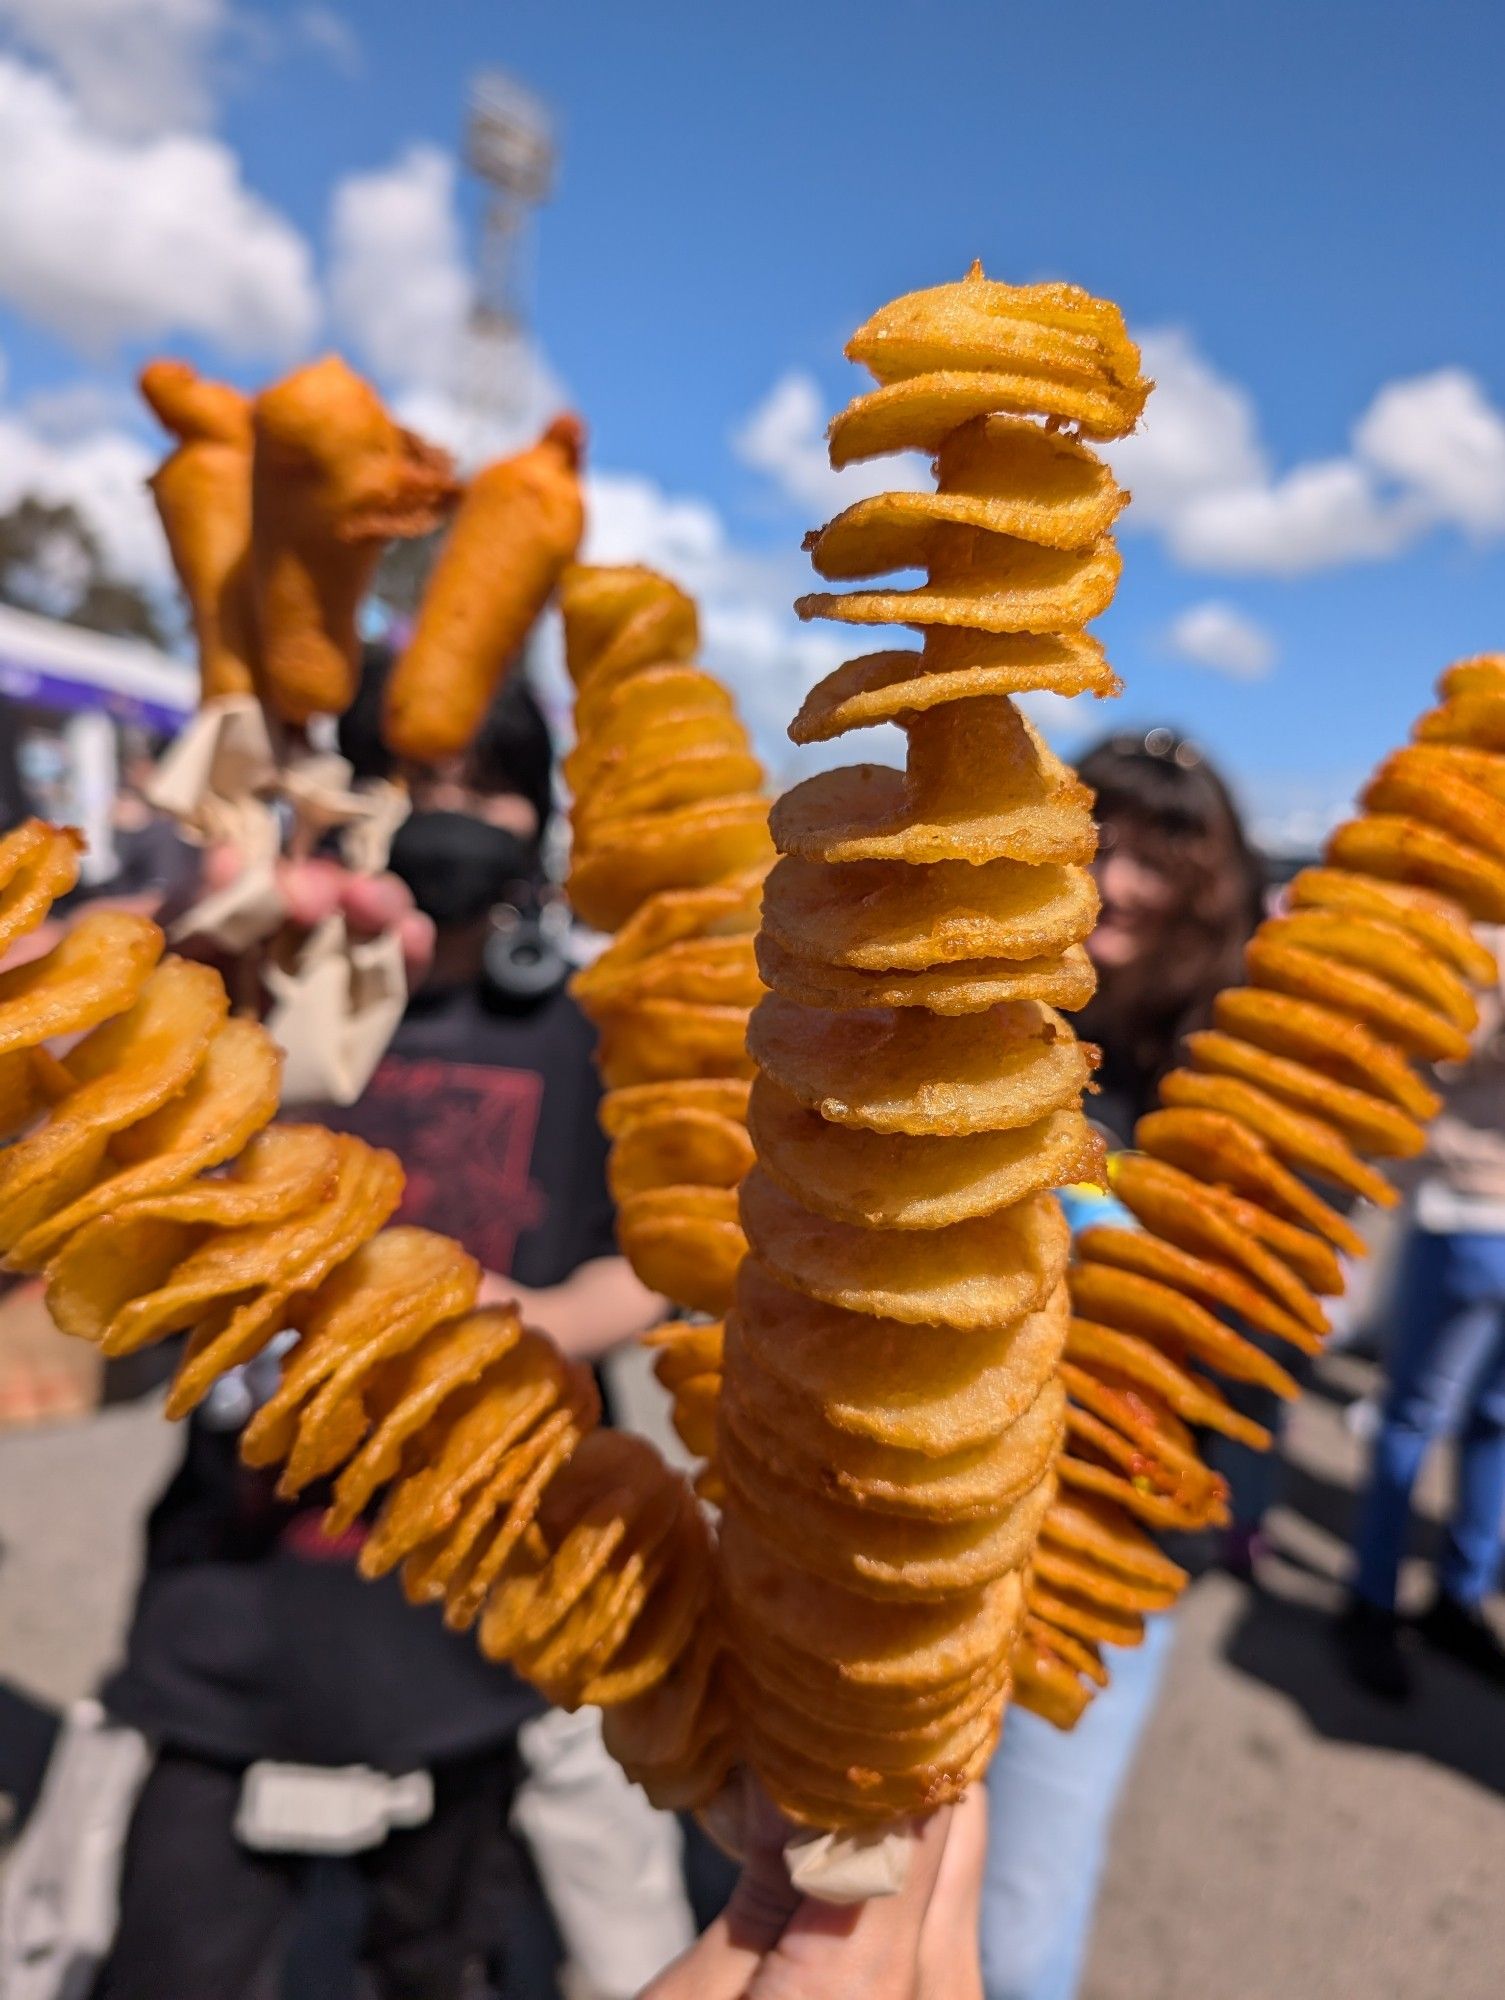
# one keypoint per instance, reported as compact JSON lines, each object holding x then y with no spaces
{"x":1181,"y":889}
{"x":254,"y":1639}
{"x":1445,"y":1368}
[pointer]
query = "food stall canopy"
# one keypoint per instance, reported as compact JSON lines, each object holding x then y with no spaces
{"x":66,"y":668}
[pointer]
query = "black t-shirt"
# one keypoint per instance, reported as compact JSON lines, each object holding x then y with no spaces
{"x":253,"y":1634}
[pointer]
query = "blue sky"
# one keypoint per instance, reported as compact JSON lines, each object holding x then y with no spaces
{"x":1297,"y":204}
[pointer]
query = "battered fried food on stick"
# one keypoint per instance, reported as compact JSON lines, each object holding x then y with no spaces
{"x":203,"y":494}
{"x":334,"y":478}
{"x":518,"y":523}
{"x":146,"y":1184}
{"x":893,"y":1407}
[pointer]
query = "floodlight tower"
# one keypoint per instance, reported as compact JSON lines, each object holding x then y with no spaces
{"x":509,"y":147}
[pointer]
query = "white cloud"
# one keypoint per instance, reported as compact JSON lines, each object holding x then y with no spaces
{"x":1199,"y":435}
{"x":1317,"y":517}
{"x":1439,"y":436}
{"x":784,"y":438}
{"x":1429,"y":452}
{"x":104,"y":239}
{"x":399,"y":285}
{"x":1221,"y":638}
{"x":135,"y":66}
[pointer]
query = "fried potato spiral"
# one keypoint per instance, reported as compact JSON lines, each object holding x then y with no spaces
{"x":670,"y":847}
{"x":147,"y":1185}
{"x":894,"y":1403}
{"x":1305,"y":1076}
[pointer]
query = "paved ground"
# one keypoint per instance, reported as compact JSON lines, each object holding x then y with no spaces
{"x":1283,"y":1838}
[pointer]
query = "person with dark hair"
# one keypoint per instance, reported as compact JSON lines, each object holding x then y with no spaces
{"x":255,"y":1646}
{"x":1181,"y":889}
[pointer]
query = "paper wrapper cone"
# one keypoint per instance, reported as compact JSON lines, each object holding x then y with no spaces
{"x":837,"y":1868}
{"x":337,"y":1001}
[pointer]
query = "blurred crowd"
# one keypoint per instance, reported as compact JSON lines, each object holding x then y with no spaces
{"x":296,"y":1785}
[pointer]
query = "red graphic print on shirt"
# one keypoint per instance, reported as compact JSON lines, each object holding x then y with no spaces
{"x":464,"y":1132}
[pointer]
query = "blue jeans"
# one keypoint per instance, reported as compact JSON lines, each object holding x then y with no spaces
{"x":1447,"y":1375}
{"x":1051,"y":1796}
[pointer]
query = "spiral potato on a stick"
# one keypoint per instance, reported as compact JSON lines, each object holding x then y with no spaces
{"x":670,"y":849}
{"x":146,"y":1184}
{"x":892,"y":1408}
{"x":1306,"y":1076}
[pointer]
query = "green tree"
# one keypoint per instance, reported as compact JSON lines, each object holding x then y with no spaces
{"x":51,"y":563}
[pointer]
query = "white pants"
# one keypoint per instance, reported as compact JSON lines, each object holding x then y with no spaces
{"x":609,"y":1863}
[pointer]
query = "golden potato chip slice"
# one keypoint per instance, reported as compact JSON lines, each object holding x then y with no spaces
{"x":1052,"y":330}
{"x":1325,"y":1041}
{"x":1483,"y":674}
{"x":1114,"y":1295}
{"x":798,"y":1444}
{"x":1308,"y":1143}
{"x":1214,"y":1284}
{"x":120,"y":1072}
{"x":395,"y":1288}
{"x":667,"y":1041}
{"x":1210,"y":1146}
{"x":921,"y":412}
{"x":464,"y":1565}
{"x":1368,"y":1123}
{"x":1047,"y":1684}
{"x":913,"y":1386}
{"x":999,"y":474}
{"x":685,"y":1242}
{"x":623,"y":615}
{"x":678,"y":1149}
{"x":685,"y":848}
{"x":882,"y":916}
{"x":1098,"y":1350}
{"x":721,"y":971}
{"x":721,"y":1097}
{"x":1092,"y":1528}
{"x":1087,"y":1617}
{"x":463,"y":1445}
{"x":1410,"y":851}
{"x":1484,"y":769}
{"x":1475,"y":718}
{"x":1386,"y":951}
{"x":696,"y":773}
{"x":38,"y":863}
{"x":953,"y":665}
{"x":912,"y":1072}
{"x":273,"y":1263}
{"x":1435,"y":919}
{"x":617,"y":708}
{"x":97,"y":969}
{"x":985,"y":583}
{"x":121,"y":1260}
{"x":1425,"y":781}
{"x":880,"y":1180}
{"x":885,"y":1555}
{"x":410,"y":1389}
{"x":972,"y":987}
{"x":979,"y":786}
{"x":230,"y":1097}
{"x":987,"y":1271}
{"x":490,"y":1526}
{"x":685,"y":1349}
{"x":1055,"y":1568}
{"x":1214,"y":1225}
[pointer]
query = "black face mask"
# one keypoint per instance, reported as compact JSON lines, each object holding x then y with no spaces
{"x":459,"y":867}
